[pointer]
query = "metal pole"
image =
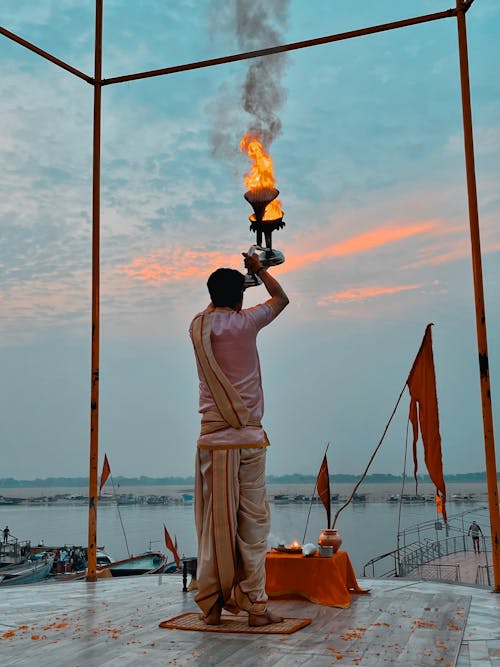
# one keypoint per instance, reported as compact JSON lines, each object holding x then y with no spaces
{"x":482,"y":344}
{"x":282,"y":48}
{"x":94,"y":381}
{"x":44,"y":54}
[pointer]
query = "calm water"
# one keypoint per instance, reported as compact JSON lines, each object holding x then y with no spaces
{"x":367,"y":529}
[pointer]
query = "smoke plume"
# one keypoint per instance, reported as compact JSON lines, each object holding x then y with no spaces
{"x":255,"y":24}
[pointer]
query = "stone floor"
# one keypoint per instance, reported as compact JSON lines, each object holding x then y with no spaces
{"x":114,"y":622}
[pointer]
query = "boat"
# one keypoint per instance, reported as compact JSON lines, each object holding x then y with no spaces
{"x":13,"y":552}
{"x":171,"y":568}
{"x":408,"y":498}
{"x":32,"y":570}
{"x":281,"y":498}
{"x":463,"y":498}
{"x":10,"y":501}
{"x":147,"y":563}
{"x":126,"y":499}
{"x":102,"y":560}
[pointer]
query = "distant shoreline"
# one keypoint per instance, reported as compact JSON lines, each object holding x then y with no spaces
{"x":376,"y":478}
{"x":169,"y":494}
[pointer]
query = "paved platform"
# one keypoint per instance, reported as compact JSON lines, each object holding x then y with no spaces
{"x":115,"y":622}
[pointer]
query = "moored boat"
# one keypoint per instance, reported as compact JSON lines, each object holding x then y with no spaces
{"x":280,"y":498}
{"x":13,"y":552}
{"x":28,"y":572}
{"x":10,"y":501}
{"x":148,"y":563}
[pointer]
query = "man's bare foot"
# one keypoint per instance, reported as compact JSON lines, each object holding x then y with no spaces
{"x":259,"y":620}
{"x":213,"y":616}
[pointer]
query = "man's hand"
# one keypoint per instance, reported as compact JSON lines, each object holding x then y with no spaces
{"x":252,"y":262}
{"x":279,"y":299}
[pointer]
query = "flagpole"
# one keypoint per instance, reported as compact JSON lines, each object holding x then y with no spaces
{"x":312,"y":498}
{"x":94,"y":379}
{"x":482,"y":343}
{"x":120,"y":516}
{"x":401,"y":494}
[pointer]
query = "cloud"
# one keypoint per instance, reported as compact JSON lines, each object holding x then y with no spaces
{"x":384,"y":235}
{"x":175,"y":265}
{"x":361,"y":294}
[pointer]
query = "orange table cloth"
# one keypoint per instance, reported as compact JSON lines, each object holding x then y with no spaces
{"x":323,"y":580}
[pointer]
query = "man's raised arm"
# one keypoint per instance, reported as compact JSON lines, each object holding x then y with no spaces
{"x":279,"y":299}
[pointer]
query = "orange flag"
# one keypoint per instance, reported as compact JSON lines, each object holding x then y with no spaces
{"x":323,"y":486}
{"x":439,"y":505}
{"x":171,"y":546}
{"x":424,"y":412}
{"x":106,"y":472}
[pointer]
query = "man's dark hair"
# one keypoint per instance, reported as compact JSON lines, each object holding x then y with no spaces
{"x":226,"y":287}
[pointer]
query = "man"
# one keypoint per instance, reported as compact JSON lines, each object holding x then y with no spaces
{"x":231,"y":508}
{"x":474,"y":530}
{"x":6,"y":533}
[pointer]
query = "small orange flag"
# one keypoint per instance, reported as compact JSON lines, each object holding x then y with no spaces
{"x":323,"y":486}
{"x":106,"y":472}
{"x":424,"y":412}
{"x":171,"y":546}
{"x":439,"y":505}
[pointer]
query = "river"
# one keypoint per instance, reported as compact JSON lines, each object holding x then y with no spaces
{"x":367,"y":529}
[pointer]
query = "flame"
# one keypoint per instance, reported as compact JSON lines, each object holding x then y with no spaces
{"x":261,"y":173}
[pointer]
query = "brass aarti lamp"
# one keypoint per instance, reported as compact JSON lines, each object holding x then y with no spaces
{"x":259,"y":199}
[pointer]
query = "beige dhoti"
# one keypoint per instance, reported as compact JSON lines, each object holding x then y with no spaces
{"x":232,"y":524}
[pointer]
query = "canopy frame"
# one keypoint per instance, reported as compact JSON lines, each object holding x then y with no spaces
{"x":97,"y":82}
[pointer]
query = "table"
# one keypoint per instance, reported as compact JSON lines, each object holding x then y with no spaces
{"x":323,"y":580}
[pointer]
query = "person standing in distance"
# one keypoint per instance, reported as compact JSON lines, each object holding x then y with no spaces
{"x":231,"y":509}
{"x":474,"y":531}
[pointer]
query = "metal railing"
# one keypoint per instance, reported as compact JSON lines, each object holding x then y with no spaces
{"x":484,"y":575}
{"x":14,"y":550}
{"x":412,"y":557}
{"x":439,"y":572}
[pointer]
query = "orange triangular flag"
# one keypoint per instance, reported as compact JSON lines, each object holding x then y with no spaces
{"x":424,"y":412}
{"x":323,"y":486}
{"x":106,"y":472}
{"x":171,"y":546}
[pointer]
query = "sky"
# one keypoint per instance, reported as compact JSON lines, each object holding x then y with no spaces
{"x":367,"y":143}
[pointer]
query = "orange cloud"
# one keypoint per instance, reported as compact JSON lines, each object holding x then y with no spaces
{"x":364,"y":293}
{"x":178,"y":265}
{"x":164,"y":266}
{"x":369,"y":240}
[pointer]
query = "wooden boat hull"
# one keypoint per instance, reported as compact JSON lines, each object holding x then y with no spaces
{"x":28,"y":573}
{"x":149,"y":563}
